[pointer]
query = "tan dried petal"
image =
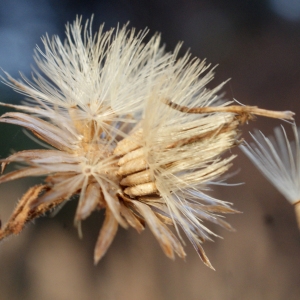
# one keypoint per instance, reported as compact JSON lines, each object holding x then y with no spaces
{"x":42,"y":129}
{"x":201,"y":252}
{"x":219,"y":209}
{"x":113,"y":204}
{"x":131,"y":218}
{"x":63,"y":190}
{"x":106,"y":235}
{"x":41,"y":156}
{"x":22,"y":213}
{"x":23,"y":173}
{"x":93,"y":198}
{"x":165,"y":237}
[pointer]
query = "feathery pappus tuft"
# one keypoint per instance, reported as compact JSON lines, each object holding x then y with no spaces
{"x":131,"y":129}
{"x":278,"y":159}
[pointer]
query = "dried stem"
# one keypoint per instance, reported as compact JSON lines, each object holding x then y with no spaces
{"x":297,"y":211}
{"x":237,"y":109}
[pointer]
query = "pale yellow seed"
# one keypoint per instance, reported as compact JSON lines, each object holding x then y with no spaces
{"x":134,"y":165}
{"x":141,"y":189}
{"x":129,"y":144}
{"x":131,"y":155}
{"x":137,"y":178}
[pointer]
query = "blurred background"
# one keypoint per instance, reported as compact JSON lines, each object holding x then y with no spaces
{"x":256,"y":44}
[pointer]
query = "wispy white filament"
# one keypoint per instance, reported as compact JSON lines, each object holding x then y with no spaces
{"x":278,"y":159}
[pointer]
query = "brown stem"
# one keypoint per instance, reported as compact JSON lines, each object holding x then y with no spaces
{"x":237,"y":109}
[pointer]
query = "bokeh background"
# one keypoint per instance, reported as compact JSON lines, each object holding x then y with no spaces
{"x":257,"y":44}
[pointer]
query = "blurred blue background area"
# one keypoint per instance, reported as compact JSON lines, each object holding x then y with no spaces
{"x":256,"y":44}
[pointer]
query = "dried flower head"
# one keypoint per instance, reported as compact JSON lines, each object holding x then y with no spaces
{"x":132,"y":130}
{"x":279,"y":161}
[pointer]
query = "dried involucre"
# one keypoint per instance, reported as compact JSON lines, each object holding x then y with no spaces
{"x":131,"y":129}
{"x":278,"y":159}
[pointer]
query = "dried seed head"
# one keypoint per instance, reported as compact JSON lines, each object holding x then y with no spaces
{"x":132,"y":130}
